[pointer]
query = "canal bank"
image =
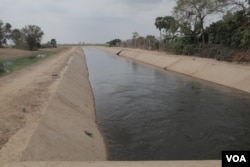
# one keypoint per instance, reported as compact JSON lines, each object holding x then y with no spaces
{"x":232,"y":75}
{"x":68,"y":130}
{"x":63,"y":129}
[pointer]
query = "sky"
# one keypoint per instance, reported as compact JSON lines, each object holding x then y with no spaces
{"x":89,"y":21}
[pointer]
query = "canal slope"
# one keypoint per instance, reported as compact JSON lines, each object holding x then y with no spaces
{"x":232,"y":75}
{"x":68,"y":131}
{"x":65,"y":128}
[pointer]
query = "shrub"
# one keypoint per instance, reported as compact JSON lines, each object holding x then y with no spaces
{"x":2,"y":70}
{"x":189,"y":49}
{"x":177,"y":47}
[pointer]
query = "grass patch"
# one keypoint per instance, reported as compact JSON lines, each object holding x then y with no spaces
{"x":8,"y":65}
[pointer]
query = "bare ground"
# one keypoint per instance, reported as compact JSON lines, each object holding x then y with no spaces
{"x":25,"y":93}
{"x":16,"y":53}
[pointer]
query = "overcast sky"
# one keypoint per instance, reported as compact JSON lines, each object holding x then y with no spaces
{"x":89,"y":21}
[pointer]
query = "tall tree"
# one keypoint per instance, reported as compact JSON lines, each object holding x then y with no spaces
{"x":33,"y":36}
{"x":140,"y":41}
{"x":151,"y":42}
{"x":114,"y":42}
{"x":159,"y":24}
{"x":5,"y":31}
{"x":16,"y":36}
{"x":53,"y":43}
{"x":135,"y":35}
{"x":195,"y":12}
{"x":235,"y":5}
{"x":171,"y":26}
{"x":232,"y":31}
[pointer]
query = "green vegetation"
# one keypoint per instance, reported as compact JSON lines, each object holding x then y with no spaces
{"x":8,"y":65}
{"x":5,"y":31}
{"x":114,"y":42}
{"x":53,"y":43}
{"x":188,"y":31}
{"x":32,"y":36}
{"x":28,"y":37}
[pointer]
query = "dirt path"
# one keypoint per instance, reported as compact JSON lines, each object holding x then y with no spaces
{"x":24,"y":96}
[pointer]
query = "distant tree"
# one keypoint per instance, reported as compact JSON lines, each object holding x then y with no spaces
{"x":151,"y":42}
{"x":140,"y":42}
{"x":38,"y":45}
{"x":195,"y":12}
{"x":232,"y":31}
{"x":33,"y":36}
{"x":167,"y":22}
{"x":235,"y":5}
{"x":53,"y":43}
{"x":171,"y":27}
{"x":5,"y":33}
{"x":135,"y":35}
{"x":159,"y":24}
{"x":17,"y":36}
{"x":114,"y":42}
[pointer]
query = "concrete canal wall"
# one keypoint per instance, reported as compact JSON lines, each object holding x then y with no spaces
{"x":227,"y":74}
{"x":68,"y":131}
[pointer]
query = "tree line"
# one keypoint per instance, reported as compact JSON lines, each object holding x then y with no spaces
{"x":185,"y":31}
{"x":29,"y":37}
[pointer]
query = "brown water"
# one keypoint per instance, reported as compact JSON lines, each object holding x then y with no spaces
{"x":150,"y":114}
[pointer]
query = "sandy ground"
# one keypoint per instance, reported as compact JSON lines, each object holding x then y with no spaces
{"x":16,"y":53}
{"x":24,"y":97}
{"x":13,"y":53}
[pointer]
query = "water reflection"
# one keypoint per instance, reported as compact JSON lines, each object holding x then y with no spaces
{"x":149,"y":114}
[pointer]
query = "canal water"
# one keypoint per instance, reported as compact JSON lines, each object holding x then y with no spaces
{"x":146,"y":113}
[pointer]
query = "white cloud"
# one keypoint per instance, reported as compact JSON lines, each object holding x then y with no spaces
{"x":86,"y":20}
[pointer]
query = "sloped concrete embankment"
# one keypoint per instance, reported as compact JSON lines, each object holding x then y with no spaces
{"x":68,"y":131}
{"x":227,"y":74}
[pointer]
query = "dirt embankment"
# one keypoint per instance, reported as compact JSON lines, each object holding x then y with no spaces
{"x":24,"y":92}
{"x":228,"y":74}
{"x":47,"y":112}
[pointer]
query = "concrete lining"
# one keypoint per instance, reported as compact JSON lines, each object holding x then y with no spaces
{"x":232,"y":75}
{"x":68,"y":131}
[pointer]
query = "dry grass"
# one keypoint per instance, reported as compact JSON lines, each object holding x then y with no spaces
{"x":13,"y":53}
{"x":18,"y":53}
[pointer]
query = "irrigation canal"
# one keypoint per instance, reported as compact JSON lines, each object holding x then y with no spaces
{"x":146,"y":113}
